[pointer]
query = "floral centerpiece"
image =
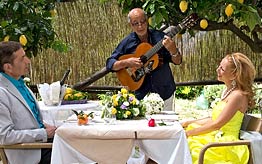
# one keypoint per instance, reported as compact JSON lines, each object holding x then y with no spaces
{"x":123,"y":105}
{"x":153,"y":103}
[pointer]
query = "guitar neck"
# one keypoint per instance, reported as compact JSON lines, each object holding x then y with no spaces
{"x":159,"y":44}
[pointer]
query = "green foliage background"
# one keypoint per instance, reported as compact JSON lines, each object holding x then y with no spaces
{"x":31,"y":18}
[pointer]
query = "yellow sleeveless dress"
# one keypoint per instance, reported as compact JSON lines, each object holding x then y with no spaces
{"x":229,"y":132}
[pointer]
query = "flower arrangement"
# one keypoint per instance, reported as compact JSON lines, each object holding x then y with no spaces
{"x":73,"y":96}
{"x":123,"y":105}
{"x":153,"y":103}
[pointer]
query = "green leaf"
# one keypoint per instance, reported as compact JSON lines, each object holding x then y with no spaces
{"x":60,"y":46}
{"x":17,"y":31}
{"x":251,"y":19}
{"x":162,"y":123}
{"x":75,"y":112}
{"x":4,"y":24}
{"x":16,"y":6}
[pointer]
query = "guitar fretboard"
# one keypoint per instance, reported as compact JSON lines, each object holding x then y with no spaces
{"x":159,"y":45}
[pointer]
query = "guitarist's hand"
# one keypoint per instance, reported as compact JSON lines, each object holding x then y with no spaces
{"x":169,"y":44}
{"x":132,"y":62}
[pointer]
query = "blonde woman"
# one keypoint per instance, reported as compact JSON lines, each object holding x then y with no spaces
{"x":238,"y":73}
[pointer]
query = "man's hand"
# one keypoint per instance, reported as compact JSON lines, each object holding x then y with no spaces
{"x":134,"y":63}
{"x":130,"y":62}
{"x":50,"y":130}
{"x":169,"y":44}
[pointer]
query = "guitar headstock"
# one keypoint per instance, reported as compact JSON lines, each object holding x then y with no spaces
{"x":187,"y":22}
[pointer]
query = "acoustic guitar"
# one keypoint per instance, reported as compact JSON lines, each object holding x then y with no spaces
{"x":133,"y":78}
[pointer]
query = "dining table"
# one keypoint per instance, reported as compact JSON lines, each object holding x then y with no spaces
{"x":120,"y":142}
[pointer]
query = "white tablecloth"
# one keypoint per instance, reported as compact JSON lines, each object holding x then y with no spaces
{"x":113,"y":144}
{"x":56,"y":115}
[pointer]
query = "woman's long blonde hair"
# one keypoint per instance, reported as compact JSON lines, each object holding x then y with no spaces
{"x":245,"y":73}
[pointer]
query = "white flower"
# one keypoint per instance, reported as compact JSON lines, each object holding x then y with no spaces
{"x":27,"y":79}
{"x":136,"y":111}
{"x":153,"y":103}
{"x":126,"y":103}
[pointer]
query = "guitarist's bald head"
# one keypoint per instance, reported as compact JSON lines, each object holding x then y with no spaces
{"x":135,"y":13}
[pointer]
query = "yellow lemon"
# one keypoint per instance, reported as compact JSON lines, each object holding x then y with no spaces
{"x":150,"y":21}
{"x":78,"y":95}
{"x":23,"y":40}
{"x":241,"y":1}
{"x":53,"y":13}
{"x":229,"y":10}
{"x":68,"y":97}
{"x":183,"y":6}
{"x":69,"y":91}
{"x":6,"y":39}
{"x":203,"y":23}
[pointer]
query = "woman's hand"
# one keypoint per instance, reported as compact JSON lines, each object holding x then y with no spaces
{"x":184,"y":124}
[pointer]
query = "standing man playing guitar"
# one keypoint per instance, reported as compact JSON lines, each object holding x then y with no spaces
{"x":155,"y":80}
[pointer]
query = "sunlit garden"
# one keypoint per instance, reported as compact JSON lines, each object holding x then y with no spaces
{"x":197,"y":101}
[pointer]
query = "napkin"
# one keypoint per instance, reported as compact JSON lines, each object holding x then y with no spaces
{"x":51,"y":94}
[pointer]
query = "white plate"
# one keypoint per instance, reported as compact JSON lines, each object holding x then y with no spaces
{"x":163,"y":117}
{"x":168,"y":112}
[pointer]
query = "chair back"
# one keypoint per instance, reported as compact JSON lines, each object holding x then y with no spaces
{"x":251,"y":123}
{"x":36,"y":145}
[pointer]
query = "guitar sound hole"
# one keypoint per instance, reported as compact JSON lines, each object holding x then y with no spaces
{"x":139,"y":73}
{"x":143,"y":59}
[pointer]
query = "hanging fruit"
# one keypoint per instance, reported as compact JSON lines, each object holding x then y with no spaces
{"x":203,"y":23}
{"x":183,"y":5}
{"x":23,"y":40}
{"x":229,"y":10}
{"x":6,"y":39}
{"x":241,"y":1}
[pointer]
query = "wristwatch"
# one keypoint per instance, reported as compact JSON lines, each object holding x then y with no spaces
{"x":177,"y":53}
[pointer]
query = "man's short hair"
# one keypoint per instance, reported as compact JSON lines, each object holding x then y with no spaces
{"x":7,"y":50}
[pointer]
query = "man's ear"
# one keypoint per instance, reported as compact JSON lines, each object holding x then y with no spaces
{"x":7,"y":67}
